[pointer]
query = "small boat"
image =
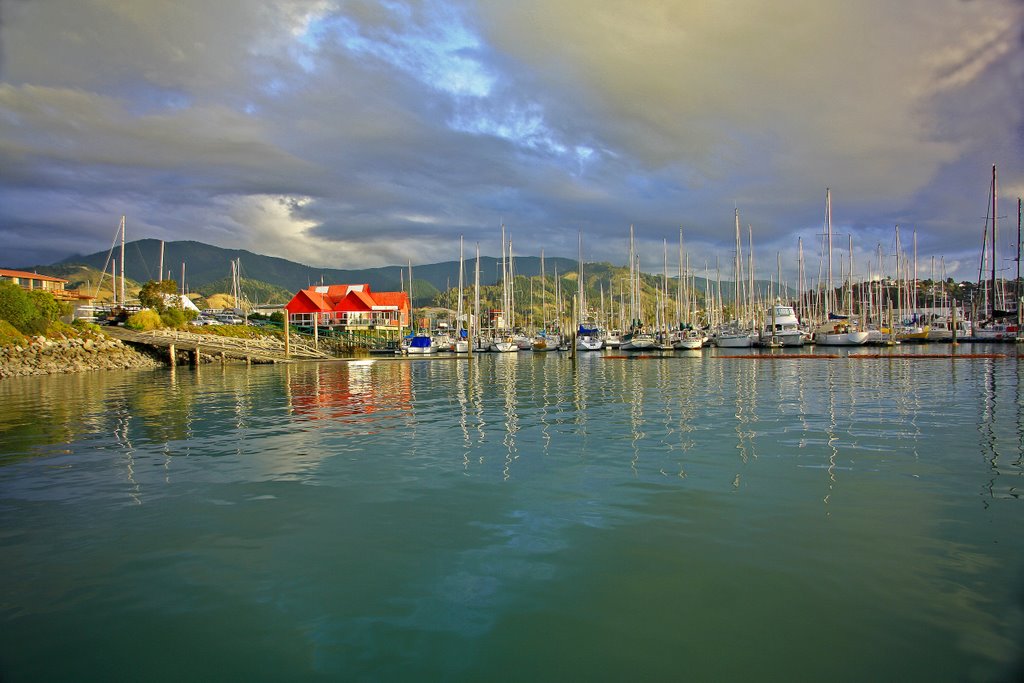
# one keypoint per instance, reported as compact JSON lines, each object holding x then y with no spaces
{"x":735,"y":338}
{"x":544,"y":342}
{"x":461,"y":342}
{"x":613,"y":339}
{"x":689,"y":340}
{"x":588,"y":339}
{"x":421,"y":344}
{"x":503,"y":344}
{"x":839,"y":332}
{"x":639,"y":340}
{"x":996,"y":332}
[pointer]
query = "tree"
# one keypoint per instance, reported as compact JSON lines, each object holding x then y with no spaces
{"x":15,"y":306}
{"x":47,"y":308}
{"x":30,"y":312}
{"x":154,"y":294}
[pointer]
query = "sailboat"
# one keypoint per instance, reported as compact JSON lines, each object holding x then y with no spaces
{"x":544,"y":340}
{"x":420,"y":343}
{"x":503,"y":341}
{"x":735,"y":335}
{"x":461,"y":342}
{"x":588,"y":336}
{"x":837,"y":329}
{"x":476,"y":337}
{"x":638,"y":338}
{"x":997,"y":326}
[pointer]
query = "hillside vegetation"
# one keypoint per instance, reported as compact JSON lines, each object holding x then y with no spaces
{"x":274,"y":280}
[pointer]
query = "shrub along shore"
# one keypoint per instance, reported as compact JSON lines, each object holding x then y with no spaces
{"x":34,"y":341}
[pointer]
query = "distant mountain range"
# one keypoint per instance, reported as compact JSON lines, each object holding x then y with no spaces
{"x":208,"y":270}
{"x":207,"y":265}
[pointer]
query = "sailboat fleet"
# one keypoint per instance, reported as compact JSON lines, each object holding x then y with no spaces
{"x":645,"y":313}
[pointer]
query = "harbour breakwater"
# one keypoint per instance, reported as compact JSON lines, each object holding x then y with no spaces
{"x":43,"y":356}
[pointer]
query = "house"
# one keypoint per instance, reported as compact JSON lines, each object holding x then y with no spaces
{"x":55,"y":286}
{"x":350,"y":308}
{"x":46,"y":283}
{"x":34,"y":281}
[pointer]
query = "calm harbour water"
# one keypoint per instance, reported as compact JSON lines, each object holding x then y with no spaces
{"x":517,"y":518}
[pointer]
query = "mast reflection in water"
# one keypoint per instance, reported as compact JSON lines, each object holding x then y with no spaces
{"x":520,"y":516}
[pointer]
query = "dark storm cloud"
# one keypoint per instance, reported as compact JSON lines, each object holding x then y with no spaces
{"x":353,"y":134}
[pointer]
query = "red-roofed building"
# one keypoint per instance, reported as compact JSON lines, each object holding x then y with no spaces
{"x":349,"y":308}
{"x":47,"y":283}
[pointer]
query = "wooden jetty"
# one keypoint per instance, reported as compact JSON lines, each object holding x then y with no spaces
{"x":193,"y":345}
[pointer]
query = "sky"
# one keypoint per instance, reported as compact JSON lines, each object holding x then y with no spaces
{"x":352,"y":134}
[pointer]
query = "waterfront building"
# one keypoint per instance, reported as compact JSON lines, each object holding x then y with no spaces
{"x":54,"y":285}
{"x":350,"y":308}
{"x":47,"y":283}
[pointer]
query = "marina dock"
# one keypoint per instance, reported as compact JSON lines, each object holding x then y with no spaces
{"x":174,"y":342}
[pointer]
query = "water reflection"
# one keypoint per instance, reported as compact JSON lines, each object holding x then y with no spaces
{"x":665,"y":416}
{"x":462,"y":511}
{"x":746,"y":411}
{"x":1002,"y":455}
{"x":353,"y":392}
{"x":506,"y":371}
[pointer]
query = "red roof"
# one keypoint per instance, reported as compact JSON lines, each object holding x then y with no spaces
{"x":29,"y":276}
{"x":399,"y":299}
{"x":338,"y":298}
{"x":354,"y":301}
{"x":307,"y":301}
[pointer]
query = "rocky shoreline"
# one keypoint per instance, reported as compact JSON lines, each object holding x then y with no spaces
{"x":43,"y":356}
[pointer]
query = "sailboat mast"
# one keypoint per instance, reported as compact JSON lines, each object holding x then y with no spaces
{"x":851,"y":309}
{"x":680,"y":286}
{"x":737,"y":266}
{"x":995,"y":215}
{"x":829,"y":292}
{"x":160,"y":275}
{"x":511,"y":291}
{"x":459,"y":311}
{"x":123,"y":295}
{"x":800,"y":275}
{"x":579,"y":280}
{"x":899,"y":283}
{"x":476,"y":295}
{"x":1016,"y":289}
{"x":543,"y":295}
{"x":751,"y":302}
{"x":504,"y":274}
{"x":665,"y":285}
{"x":913,"y":305}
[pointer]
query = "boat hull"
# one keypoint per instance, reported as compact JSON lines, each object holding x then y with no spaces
{"x":734,"y":341}
{"x":840,"y":338}
{"x":639,"y":344}
{"x":786,"y":338}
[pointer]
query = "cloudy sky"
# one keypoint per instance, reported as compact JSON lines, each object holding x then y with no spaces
{"x":363,"y":133}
